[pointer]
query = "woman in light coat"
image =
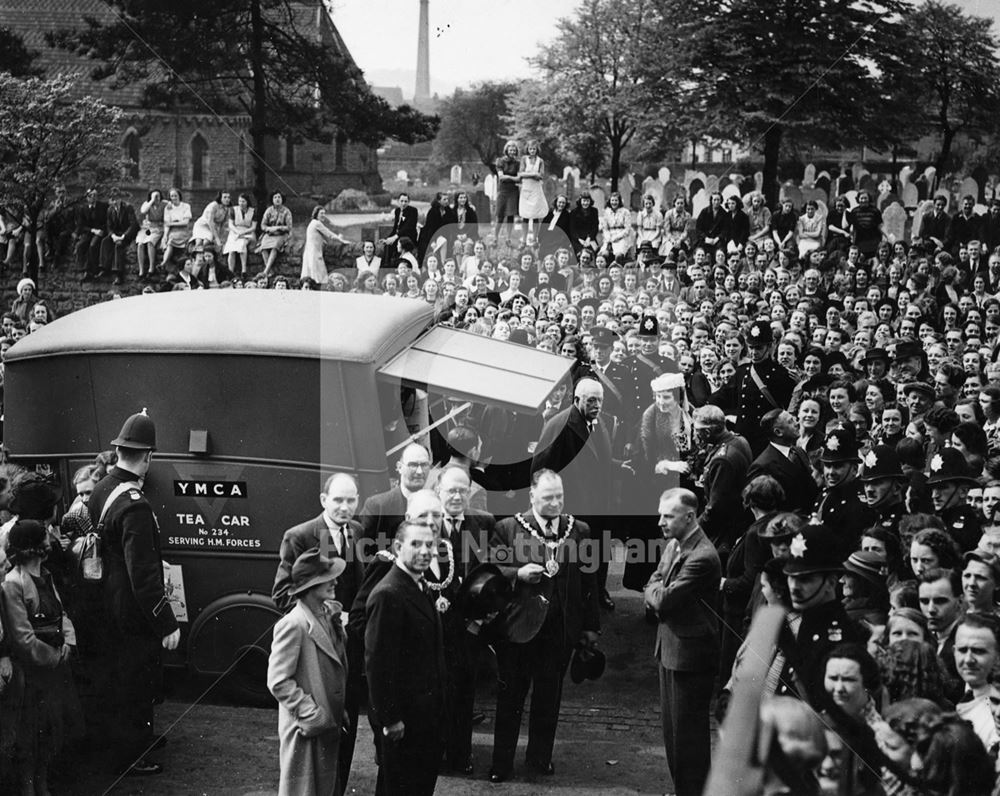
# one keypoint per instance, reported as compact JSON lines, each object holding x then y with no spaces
{"x":307,"y":673}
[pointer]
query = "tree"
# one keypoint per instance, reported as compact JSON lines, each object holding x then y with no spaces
{"x":258,"y":57}
{"x":15,"y":57}
{"x":47,"y":138}
{"x":597,"y":81}
{"x":473,"y":124}
{"x":534,"y":114}
{"x":952,"y":77}
{"x":760,"y":70}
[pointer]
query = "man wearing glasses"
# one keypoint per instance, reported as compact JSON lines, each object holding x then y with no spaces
{"x":382,"y":513}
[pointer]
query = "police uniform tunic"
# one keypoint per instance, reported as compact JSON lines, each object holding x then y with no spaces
{"x":752,"y":405}
{"x":139,"y":614}
{"x":821,"y":629}
{"x":843,"y":509}
{"x":888,"y":517}
{"x":962,"y":524}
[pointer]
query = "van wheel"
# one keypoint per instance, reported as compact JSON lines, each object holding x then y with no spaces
{"x":247,"y":682}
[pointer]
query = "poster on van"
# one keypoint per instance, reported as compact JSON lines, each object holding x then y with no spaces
{"x":173,"y":588}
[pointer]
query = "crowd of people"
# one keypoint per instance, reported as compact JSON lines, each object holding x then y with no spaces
{"x":784,"y":408}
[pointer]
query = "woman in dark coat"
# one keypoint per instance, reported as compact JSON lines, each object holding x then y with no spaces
{"x":584,"y":224}
{"x":439,"y":215}
{"x":554,"y":232}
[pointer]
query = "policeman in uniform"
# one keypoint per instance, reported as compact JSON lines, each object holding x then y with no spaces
{"x":141,"y":623}
{"x":840,"y":505}
{"x":619,"y":388}
{"x":761,"y":385}
{"x":949,"y":483}
{"x":649,"y":351}
{"x":885,"y":485}
{"x":818,"y":621}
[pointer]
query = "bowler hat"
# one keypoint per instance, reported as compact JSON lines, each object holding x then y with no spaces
{"x":869,"y":565}
{"x":815,"y":548}
{"x":948,"y":464}
{"x":840,"y":445}
{"x":907,"y":349}
{"x":882,"y":461}
{"x":312,"y":568}
{"x":138,"y":433}
{"x":838,"y":358}
{"x":485,"y":591}
{"x":587,"y":664}
{"x":760,"y":334}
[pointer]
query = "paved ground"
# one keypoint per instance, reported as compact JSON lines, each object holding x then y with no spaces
{"x":608,"y":740}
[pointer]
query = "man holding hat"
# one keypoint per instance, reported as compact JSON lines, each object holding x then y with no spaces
{"x":884,"y":482}
{"x":307,"y":674}
{"x":761,"y":385}
{"x":818,"y":621}
{"x":949,"y":483}
{"x":840,"y":504}
{"x":141,"y":623}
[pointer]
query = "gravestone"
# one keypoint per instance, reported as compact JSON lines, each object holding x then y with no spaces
{"x":456,"y":175}
{"x":671,"y":190}
{"x":694,"y":181}
{"x":712,"y":183}
{"x":699,"y":201}
{"x":663,"y":175}
{"x":852,"y":198}
{"x":599,"y":197}
{"x":733,"y":188}
{"x":653,"y":187}
{"x":820,"y":189}
{"x":843,"y":183}
{"x":924,"y":207}
{"x":908,"y":191}
{"x":758,"y":182}
{"x":868,"y":183}
{"x":791,"y":192}
{"x":968,"y":187}
{"x":858,"y":173}
{"x":894,"y":222}
{"x":402,"y":176}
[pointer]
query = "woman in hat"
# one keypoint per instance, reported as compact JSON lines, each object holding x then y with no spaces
{"x":863,"y":589}
{"x":665,"y":432}
{"x":44,"y":706}
{"x":307,"y":674}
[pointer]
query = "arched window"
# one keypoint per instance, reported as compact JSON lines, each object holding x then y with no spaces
{"x":131,"y":146}
{"x":199,"y":160}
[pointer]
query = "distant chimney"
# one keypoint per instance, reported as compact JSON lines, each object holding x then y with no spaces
{"x":423,"y":91}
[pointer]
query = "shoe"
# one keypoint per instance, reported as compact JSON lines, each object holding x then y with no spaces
{"x":606,"y":602}
{"x":496,"y":777}
{"x":545,"y":769}
{"x":144,"y":768}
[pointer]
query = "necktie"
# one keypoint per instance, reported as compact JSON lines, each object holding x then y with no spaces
{"x":338,"y":538}
{"x":550,"y":529}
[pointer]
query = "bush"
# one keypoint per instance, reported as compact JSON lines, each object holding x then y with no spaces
{"x":349,"y":200}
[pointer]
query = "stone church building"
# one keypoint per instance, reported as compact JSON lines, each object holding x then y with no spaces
{"x":192,"y":148}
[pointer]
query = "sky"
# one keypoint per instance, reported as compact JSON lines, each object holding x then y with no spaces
{"x":470,"y":40}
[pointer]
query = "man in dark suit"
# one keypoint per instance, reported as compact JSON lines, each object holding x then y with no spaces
{"x":725,"y":475}
{"x":935,"y":227}
{"x":965,"y":225}
{"x":785,"y":462}
{"x":468,"y":531}
{"x":761,"y":385}
{"x":91,"y":228}
{"x":337,"y":536}
{"x":575,"y":443}
{"x":682,"y":593}
{"x":381,"y":513}
{"x":841,"y":504}
{"x":122,"y":229}
{"x":546,"y":556}
{"x":404,"y":222}
{"x":405,"y":665}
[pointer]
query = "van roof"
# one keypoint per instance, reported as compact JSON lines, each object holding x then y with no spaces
{"x":290,"y":323}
